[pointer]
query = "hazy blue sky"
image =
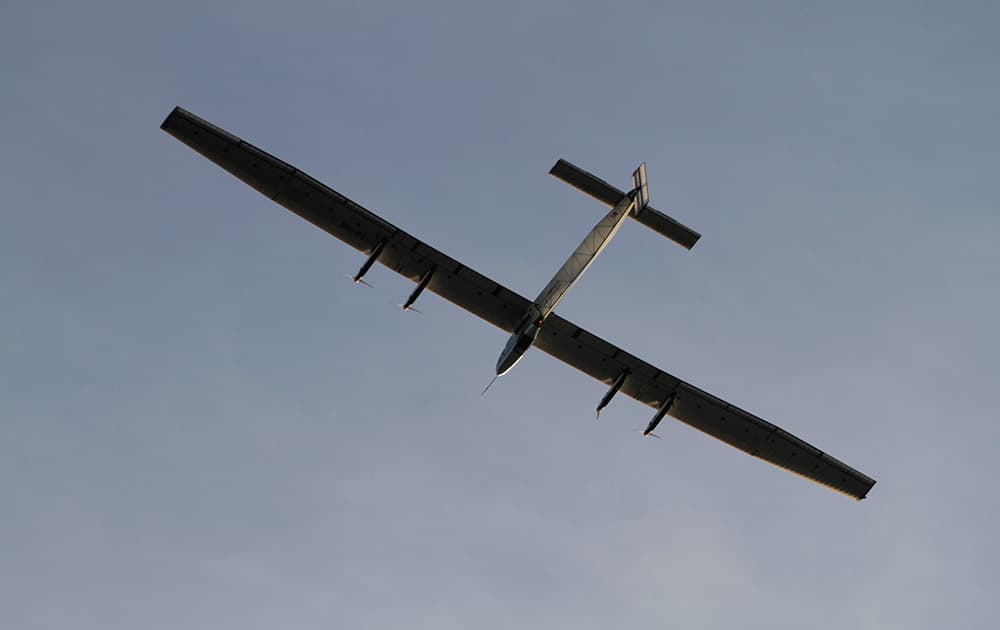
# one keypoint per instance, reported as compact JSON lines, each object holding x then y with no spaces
{"x":203,"y":425}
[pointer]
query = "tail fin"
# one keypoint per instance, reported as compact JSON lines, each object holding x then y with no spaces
{"x":640,"y":188}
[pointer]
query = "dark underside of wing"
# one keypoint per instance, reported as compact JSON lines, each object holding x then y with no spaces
{"x":474,"y":292}
{"x":758,"y":437}
{"x":363,"y":230}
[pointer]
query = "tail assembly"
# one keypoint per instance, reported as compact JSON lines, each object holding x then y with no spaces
{"x":610,"y":196}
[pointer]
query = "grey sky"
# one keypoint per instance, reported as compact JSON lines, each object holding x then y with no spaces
{"x":203,"y":425}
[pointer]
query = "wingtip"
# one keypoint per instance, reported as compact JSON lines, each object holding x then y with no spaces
{"x":865,"y":495}
{"x":171,"y":117}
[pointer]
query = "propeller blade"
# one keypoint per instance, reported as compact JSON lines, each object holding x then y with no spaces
{"x":358,"y":280}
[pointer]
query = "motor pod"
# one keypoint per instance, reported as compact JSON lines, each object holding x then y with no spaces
{"x":371,"y":261}
{"x":660,"y":413}
{"x":424,"y":279}
{"x":617,"y":385}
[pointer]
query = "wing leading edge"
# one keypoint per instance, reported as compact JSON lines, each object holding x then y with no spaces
{"x":413,"y":259}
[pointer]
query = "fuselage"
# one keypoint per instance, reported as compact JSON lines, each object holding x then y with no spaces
{"x":527,"y":331}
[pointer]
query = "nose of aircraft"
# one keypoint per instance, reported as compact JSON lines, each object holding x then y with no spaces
{"x":511,"y":354}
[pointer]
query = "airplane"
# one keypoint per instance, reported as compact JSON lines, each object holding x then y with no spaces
{"x":530,"y":323}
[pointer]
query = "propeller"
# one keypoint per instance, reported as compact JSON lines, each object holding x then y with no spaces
{"x":357,"y":280}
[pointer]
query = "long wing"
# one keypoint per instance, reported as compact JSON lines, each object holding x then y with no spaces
{"x":404,"y":254}
{"x":592,"y":355}
{"x":329,"y":210}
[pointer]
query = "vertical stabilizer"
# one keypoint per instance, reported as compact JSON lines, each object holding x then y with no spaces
{"x":640,"y":188}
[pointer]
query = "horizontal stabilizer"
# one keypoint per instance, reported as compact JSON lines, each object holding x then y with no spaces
{"x":609,"y":195}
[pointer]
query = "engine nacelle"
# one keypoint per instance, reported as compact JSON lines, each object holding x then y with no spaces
{"x":660,"y":413}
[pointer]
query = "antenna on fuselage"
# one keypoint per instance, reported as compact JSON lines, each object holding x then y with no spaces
{"x":490,"y":385}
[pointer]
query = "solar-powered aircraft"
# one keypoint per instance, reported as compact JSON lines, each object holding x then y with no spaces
{"x":530,"y":323}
